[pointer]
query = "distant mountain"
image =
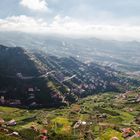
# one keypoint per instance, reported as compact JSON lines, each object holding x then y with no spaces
{"x":36,"y":79}
{"x":120,"y":55}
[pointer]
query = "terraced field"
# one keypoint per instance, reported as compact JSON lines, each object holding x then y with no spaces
{"x":98,"y":117}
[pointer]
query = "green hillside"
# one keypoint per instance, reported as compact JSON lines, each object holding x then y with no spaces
{"x":99,"y":117}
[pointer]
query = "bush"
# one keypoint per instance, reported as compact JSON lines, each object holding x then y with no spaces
{"x":54,"y":136}
{"x":29,"y":134}
{"x":4,"y":137}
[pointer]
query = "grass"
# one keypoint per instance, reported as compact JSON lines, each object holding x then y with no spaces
{"x":5,"y":137}
{"x":59,"y":122}
{"x":61,"y":125}
{"x":110,"y":133}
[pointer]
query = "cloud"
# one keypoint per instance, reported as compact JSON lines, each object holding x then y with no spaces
{"x":37,"y":5}
{"x":22,"y":23}
{"x":69,"y":26}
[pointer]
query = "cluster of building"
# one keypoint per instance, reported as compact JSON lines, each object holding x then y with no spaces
{"x":127,"y":96}
{"x":9,"y":102}
{"x":4,"y":128}
{"x":17,"y":102}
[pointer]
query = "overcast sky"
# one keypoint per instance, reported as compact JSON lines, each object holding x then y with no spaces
{"x":117,"y":19}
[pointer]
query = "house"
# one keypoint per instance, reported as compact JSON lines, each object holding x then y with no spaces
{"x":19,"y":75}
{"x":138,"y":134}
{"x":44,"y":131}
{"x":31,"y":96}
{"x":30,"y":89}
{"x":126,"y":132}
{"x":84,"y":123}
{"x":130,"y":109}
{"x":79,"y":123}
{"x":138,"y":98}
{"x":1,"y":121}
{"x":11,"y":123}
{"x":2,"y":100}
{"x":5,"y":130}
{"x":114,"y":138}
{"x":55,"y":95}
{"x":37,"y":89}
{"x":15,"y":102}
{"x":33,"y":104}
{"x":15,"y":134}
{"x":42,"y":137}
{"x":103,"y":116}
{"x":34,"y":128}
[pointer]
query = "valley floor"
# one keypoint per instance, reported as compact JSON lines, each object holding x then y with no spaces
{"x":108,"y":116}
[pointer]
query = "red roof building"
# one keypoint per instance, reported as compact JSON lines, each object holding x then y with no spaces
{"x":44,"y":131}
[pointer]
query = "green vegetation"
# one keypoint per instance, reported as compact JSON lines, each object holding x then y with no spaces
{"x":103,"y":117}
{"x":4,"y":137}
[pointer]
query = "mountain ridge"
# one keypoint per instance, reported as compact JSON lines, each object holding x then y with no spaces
{"x":38,"y":79}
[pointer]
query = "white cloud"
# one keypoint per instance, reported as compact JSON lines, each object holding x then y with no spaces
{"x":69,"y":26}
{"x":38,"y":5}
{"x":22,"y":23}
